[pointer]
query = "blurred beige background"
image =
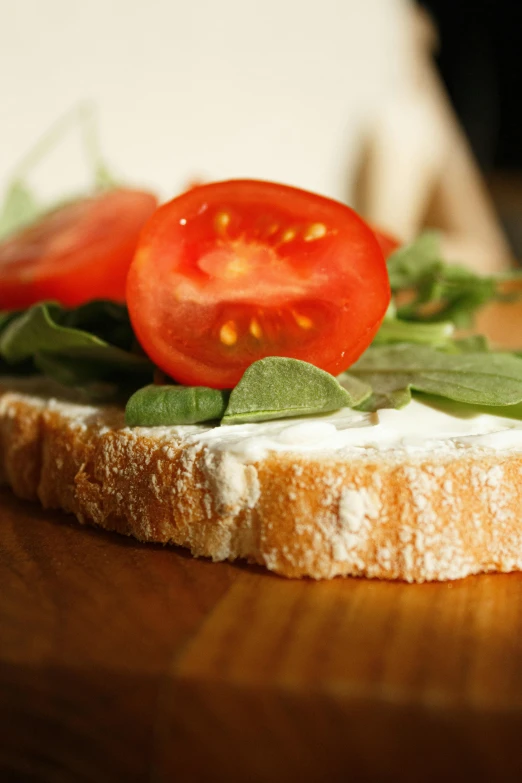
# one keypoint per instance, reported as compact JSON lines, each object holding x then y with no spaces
{"x":295,"y":91}
{"x":278,"y":89}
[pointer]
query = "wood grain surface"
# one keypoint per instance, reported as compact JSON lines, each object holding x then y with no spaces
{"x":133,"y":663}
{"x":136,"y":663}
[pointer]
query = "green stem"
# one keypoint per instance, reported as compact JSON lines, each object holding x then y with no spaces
{"x":82,"y":116}
{"x":394,"y":330}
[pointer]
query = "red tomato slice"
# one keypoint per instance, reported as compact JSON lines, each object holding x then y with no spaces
{"x":231,"y":272}
{"x":77,"y":252}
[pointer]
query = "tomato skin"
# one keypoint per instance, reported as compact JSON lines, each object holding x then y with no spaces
{"x":231,"y":272}
{"x":78,"y":252}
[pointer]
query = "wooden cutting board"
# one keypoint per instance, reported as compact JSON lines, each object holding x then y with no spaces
{"x":128,"y":662}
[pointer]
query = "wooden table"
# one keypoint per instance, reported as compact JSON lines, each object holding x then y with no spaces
{"x":124,"y":662}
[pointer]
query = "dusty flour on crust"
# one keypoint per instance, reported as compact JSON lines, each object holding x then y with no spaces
{"x":403,"y":513}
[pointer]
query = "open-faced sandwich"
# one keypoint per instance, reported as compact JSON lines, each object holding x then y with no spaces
{"x":262,"y":384}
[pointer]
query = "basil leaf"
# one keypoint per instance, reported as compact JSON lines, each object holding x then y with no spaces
{"x":385,"y":398}
{"x":18,"y":210}
{"x":6,"y":317}
{"x":464,"y":411}
{"x":278,"y":387}
{"x":155,"y":406}
{"x":410,"y":264}
{"x":62,"y":369}
{"x":64,"y":352}
{"x":357,"y":389}
{"x":23,"y":368}
{"x":456,"y":300}
{"x":439,"y":291}
{"x":475,"y":343}
{"x":473,"y":378}
{"x":103,"y":318}
{"x":37,"y":329}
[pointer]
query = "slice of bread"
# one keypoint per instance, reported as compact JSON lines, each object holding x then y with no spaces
{"x":392,"y":514}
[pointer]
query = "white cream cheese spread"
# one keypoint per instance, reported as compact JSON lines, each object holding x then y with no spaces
{"x":417,"y":427}
{"x":422,"y":426}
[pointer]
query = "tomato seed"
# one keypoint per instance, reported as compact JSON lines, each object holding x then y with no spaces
{"x":228,"y":333}
{"x":288,"y":235}
{"x":255,"y":329}
{"x":314,"y":231}
{"x":221,"y":222}
{"x":302,"y":320}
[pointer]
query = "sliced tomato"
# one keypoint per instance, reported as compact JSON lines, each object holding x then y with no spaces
{"x":75,"y":253}
{"x":231,"y":272}
{"x":388,"y":243}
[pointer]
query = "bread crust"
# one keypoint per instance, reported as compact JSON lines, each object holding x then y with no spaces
{"x":392,"y":516}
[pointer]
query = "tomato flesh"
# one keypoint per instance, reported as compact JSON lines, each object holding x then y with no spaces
{"x":75,"y":253}
{"x":231,"y":272}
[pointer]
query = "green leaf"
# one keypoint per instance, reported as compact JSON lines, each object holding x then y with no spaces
{"x":63,"y":369}
{"x":81,"y":375}
{"x":464,"y":411}
{"x":68,"y":354}
{"x":277,"y":388}
{"x":473,"y":378}
{"x":103,"y":318}
{"x":18,"y":210}
{"x":393,"y":330}
{"x":411,"y":263}
{"x":475,"y":343}
{"x":23,"y":368}
{"x":439,"y":291}
{"x":163,"y":406}
{"x":386,"y":398}
{"x":458,"y":300}
{"x":37,"y":329}
{"x":104,"y":179}
{"x":357,"y":389}
{"x":6,"y":317}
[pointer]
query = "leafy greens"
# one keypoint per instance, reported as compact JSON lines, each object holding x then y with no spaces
{"x":165,"y":405}
{"x":278,"y":387}
{"x":474,"y":378}
{"x":58,"y":342}
{"x":439,"y":291}
{"x":417,"y":349}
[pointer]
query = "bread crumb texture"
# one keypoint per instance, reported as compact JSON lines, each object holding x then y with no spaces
{"x":391,"y":516}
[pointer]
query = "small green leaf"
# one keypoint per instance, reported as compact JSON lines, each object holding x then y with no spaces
{"x":36,"y":330}
{"x":163,"y":406}
{"x":411,"y":263}
{"x":63,"y":369}
{"x":19,"y":209}
{"x":386,"y":398}
{"x":473,"y":378}
{"x":357,"y":389}
{"x":464,"y":411}
{"x":277,"y":387}
{"x":104,"y":179}
{"x":6,"y":317}
{"x":439,"y":291}
{"x":103,"y":318}
{"x":475,"y":343}
{"x":70,"y":355}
